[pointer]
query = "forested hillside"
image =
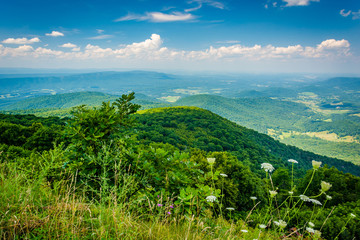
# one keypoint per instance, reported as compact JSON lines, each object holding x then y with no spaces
{"x":182,"y":162}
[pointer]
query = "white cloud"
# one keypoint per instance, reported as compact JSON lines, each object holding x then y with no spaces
{"x":100,"y":31}
{"x":21,"y":40}
{"x":176,"y":16}
{"x":158,"y":17}
{"x":344,"y":14}
{"x":68,"y":45}
{"x":152,"y":49}
{"x":215,"y":4}
{"x":355,"y":15}
{"x":104,"y":36}
{"x":292,"y":3}
{"x":55,"y":34}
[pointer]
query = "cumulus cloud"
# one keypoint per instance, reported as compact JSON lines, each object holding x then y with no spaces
{"x":21,"y":40}
{"x":55,"y":34}
{"x":292,"y":3}
{"x":152,"y":49}
{"x":158,"y":17}
{"x":68,"y":45}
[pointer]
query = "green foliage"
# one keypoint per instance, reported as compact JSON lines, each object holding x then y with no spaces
{"x":92,"y":127}
{"x":104,"y":174}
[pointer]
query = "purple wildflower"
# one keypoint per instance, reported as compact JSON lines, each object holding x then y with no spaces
{"x":160,"y":205}
{"x":169,"y":213}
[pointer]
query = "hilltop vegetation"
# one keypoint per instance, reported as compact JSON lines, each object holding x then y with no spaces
{"x":179,"y":173}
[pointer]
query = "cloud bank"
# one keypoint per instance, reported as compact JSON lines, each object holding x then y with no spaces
{"x":21,"y":40}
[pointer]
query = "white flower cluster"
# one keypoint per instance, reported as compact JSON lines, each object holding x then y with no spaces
{"x":272,"y":193}
{"x":316,"y":164}
{"x":263,"y":226}
{"x":325,"y":186}
{"x":267,"y":167}
{"x":211,"y":161}
{"x":307,"y":199}
{"x":292,"y":161}
{"x":211,"y":198}
{"x":223,"y":175}
{"x":280,"y":223}
{"x":253,"y":198}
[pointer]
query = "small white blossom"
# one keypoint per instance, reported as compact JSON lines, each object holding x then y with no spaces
{"x":292,"y":161}
{"x":291,"y":192}
{"x":230,"y":209}
{"x":273,"y":193}
{"x":211,"y":198}
{"x":263,"y":226}
{"x":267,"y":167}
{"x":311,"y":224}
{"x":280,"y":223}
{"x":352,"y":215}
{"x":253,"y":198}
{"x":223,"y":175}
{"x":317,"y":234}
{"x":244,"y":231}
{"x":315,"y":201}
{"x":211,"y":161}
{"x":310,"y":230}
{"x":328,"y":197}
{"x":325,"y":186}
{"x":305,"y":198}
{"x":316,"y":164}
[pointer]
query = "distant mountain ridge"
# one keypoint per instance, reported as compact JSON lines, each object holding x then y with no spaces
{"x":68,"y":100}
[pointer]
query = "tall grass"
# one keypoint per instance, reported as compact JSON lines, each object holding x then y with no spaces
{"x":32,"y":208}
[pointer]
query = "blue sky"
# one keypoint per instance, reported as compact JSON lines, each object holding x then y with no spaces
{"x":218,"y":35}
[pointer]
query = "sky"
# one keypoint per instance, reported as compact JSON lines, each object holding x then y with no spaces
{"x":252,"y":36}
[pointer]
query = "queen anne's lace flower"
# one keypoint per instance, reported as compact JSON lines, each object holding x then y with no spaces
{"x":311,"y":224}
{"x":230,"y":208}
{"x":291,"y":192}
{"x":211,"y":198}
{"x":317,"y":234}
{"x":273,"y":193}
{"x":292,"y":161}
{"x":310,"y":230}
{"x":267,"y":167}
{"x":316,"y":164}
{"x":328,"y":197}
{"x":211,"y":161}
{"x":263,"y":226}
{"x":253,"y":198}
{"x":305,"y":198}
{"x":352,"y":215}
{"x":325,"y":186}
{"x":280,"y":223}
{"x":244,"y":231}
{"x":315,"y":201}
{"x":223,"y":175}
